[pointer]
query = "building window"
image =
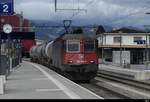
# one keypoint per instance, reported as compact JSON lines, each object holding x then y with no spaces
{"x":137,"y":38}
{"x":117,"y":39}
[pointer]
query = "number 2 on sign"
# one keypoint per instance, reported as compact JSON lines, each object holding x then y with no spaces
{"x":5,"y":8}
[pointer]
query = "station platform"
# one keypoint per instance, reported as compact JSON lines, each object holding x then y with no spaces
{"x":34,"y":81}
{"x":129,"y":73}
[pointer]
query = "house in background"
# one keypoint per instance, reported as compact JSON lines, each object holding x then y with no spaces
{"x":123,"y":46}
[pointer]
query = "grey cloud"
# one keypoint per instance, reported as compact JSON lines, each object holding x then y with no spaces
{"x":114,"y":12}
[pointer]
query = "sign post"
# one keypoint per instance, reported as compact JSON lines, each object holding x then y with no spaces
{"x":7,"y":29}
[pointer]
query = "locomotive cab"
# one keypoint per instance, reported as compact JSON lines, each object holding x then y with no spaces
{"x":80,"y":58}
{"x":78,"y":52}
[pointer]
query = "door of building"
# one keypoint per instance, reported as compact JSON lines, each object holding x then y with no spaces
{"x":137,"y":56}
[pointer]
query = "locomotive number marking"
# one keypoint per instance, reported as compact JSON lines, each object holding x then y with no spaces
{"x":78,"y":61}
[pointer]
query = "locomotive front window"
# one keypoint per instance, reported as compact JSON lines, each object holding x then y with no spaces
{"x":73,"y":46}
{"x":89,"y":46}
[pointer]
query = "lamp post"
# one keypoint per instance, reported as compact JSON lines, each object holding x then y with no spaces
{"x":0,"y":44}
{"x":102,"y":47}
{"x":120,"y":32}
{"x":147,"y":52}
{"x":7,"y":28}
{"x":2,"y":69}
{"x":146,"y":43}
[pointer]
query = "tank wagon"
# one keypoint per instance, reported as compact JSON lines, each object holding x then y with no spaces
{"x":72,"y":55}
{"x":27,"y":44}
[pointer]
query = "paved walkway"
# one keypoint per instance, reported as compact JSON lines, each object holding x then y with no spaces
{"x":32,"y":81}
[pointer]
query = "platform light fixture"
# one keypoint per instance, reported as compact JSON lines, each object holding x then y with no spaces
{"x":120,"y":32}
{"x":147,"y":52}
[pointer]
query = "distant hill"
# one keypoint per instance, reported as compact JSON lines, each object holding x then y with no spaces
{"x":135,"y":28}
{"x":106,"y":27}
{"x":46,"y":23}
{"x":42,"y":34}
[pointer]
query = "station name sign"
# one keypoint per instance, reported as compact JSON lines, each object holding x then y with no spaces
{"x":6,"y":7}
{"x":140,"y":41}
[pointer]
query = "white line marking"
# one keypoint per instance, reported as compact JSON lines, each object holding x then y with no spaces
{"x":82,"y":87}
{"x":41,"y":79}
{"x":46,"y":90}
{"x":68,"y":92}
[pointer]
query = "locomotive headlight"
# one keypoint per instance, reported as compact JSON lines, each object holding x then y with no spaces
{"x":70,"y":62}
{"x":92,"y":61}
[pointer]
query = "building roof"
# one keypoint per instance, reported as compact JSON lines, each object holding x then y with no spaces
{"x":78,"y":36}
{"x":100,"y":30}
{"x":126,"y":30}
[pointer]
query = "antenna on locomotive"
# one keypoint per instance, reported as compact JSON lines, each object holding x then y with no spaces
{"x":67,"y":24}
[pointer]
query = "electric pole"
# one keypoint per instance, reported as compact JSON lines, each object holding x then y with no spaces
{"x":120,"y":32}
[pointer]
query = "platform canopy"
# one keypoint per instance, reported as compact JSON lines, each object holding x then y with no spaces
{"x":19,"y":35}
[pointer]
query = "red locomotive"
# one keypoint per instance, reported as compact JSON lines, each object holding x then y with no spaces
{"x":73,"y":55}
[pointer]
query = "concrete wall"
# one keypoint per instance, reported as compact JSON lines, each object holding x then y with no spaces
{"x":125,"y":57}
{"x":126,"y":39}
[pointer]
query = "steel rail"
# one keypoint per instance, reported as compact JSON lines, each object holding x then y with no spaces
{"x":105,"y":93}
{"x":135,"y":83}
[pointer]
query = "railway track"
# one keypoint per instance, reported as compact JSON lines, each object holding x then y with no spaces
{"x":141,"y":88}
{"x":103,"y":92}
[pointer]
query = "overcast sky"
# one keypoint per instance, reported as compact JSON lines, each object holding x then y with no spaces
{"x":108,"y":12}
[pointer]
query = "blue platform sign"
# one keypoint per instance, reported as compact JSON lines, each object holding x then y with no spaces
{"x":6,"y":7}
{"x":140,"y":41}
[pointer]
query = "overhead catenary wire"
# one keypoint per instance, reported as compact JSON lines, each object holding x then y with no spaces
{"x":126,"y":16}
{"x":89,"y":3}
{"x":66,"y":9}
{"x":110,"y":21}
{"x":52,"y":27}
{"x":115,"y":19}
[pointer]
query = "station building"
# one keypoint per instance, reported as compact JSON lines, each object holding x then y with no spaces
{"x":123,"y":46}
